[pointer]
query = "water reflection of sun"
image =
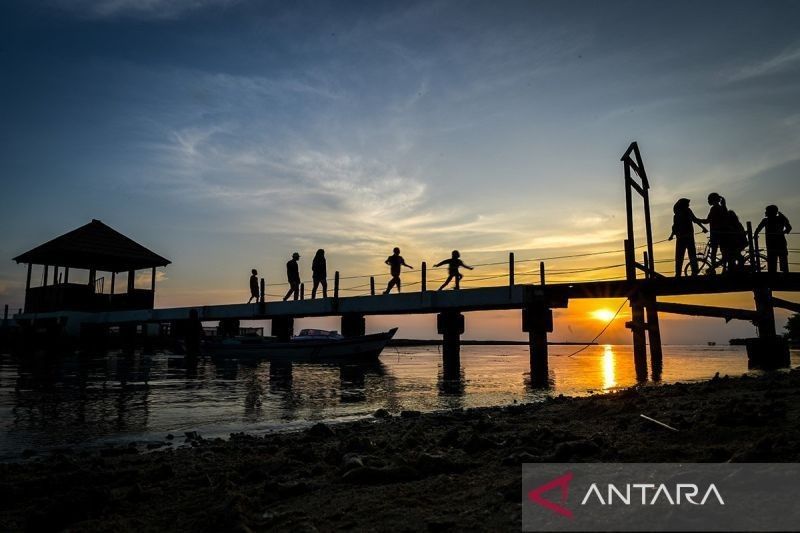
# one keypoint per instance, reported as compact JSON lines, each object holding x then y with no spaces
{"x":609,"y":364}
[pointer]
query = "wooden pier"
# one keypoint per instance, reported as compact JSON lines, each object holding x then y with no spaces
{"x":642,"y":285}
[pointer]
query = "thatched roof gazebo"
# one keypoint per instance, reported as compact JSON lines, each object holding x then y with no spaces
{"x":95,"y":247}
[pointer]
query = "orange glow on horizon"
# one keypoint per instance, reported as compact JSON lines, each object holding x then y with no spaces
{"x":603,"y":315}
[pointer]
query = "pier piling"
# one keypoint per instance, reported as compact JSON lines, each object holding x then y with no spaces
{"x":353,"y":325}
{"x":283,"y":327}
{"x":424,"y":278}
{"x":537,"y":321}
{"x":450,"y":324}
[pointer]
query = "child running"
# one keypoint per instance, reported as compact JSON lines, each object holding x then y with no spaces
{"x":452,"y":269}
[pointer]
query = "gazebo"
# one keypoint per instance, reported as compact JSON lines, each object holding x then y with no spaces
{"x":97,"y":248}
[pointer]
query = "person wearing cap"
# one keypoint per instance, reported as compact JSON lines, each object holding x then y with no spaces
{"x":683,"y":228}
{"x":777,"y":226}
{"x":293,"y":274}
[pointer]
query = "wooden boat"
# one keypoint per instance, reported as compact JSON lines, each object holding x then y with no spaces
{"x":309,"y":344}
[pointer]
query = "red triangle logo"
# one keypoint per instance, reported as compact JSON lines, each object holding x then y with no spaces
{"x":560,"y":482}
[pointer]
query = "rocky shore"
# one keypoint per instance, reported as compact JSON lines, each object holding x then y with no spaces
{"x":399,"y":472}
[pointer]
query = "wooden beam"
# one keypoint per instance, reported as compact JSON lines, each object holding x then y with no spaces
{"x":728,"y":313}
{"x":786,"y":304}
{"x":28,"y":280}
{"x":153,"y":280}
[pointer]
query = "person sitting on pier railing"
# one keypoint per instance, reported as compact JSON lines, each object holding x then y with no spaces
{"x":253,"y":286}
{"x":777,"y":226}
{"x":452,"y":269}
{"x":319,"y":273}
{"x":395,"y":261}
{"x":683,"y":229}
{"x":293,"y":274}
{"x":717,"y":219}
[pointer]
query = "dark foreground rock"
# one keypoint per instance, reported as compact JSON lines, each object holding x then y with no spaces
{"x":441,"y":471}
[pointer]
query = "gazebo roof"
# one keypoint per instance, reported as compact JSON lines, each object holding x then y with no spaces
{"x":94,"y":246}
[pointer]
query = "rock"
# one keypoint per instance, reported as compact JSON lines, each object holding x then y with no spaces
{"x":170,"y":436}
{"x":154,"y":445}
{"x":381,"y":413}
{"x":410,"y":414}
{"x":359,"y":444}
{"x":191,"y":436}
{"x":351,"y":461}
{"x":518,"y":458}
{"x":450,"y":438}
{"x":429,"y":463}
{"x":289,"y":489}
{"x":320,"y":430}
{"x":369,"y":475}
{"x":476,"y":444}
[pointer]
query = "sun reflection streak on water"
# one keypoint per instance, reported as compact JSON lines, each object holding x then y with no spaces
{"x":609,"y":363}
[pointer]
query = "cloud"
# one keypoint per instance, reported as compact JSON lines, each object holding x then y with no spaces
{"x":148,"y":9}
{"x":787,"y":59}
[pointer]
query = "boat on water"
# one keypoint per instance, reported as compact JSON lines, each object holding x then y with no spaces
{"x":309,"y":344}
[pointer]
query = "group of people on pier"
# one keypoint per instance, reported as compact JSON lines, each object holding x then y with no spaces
{"x":319,"y":274}
{"x":727,"y":236}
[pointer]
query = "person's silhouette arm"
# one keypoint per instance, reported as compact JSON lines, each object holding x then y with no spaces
{"x":671,"y":235}
{"x":407,"y":265}
{"x":467,"y":266}
{"x":440,"y":263}
{"x":761,"y":225}
{"x":700,"y":223}
{"x":787,"y":228}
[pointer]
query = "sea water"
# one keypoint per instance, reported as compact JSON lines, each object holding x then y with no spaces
{"x":79,"y":401}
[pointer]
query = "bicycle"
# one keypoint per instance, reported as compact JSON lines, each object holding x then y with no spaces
{"x":705,"y":264}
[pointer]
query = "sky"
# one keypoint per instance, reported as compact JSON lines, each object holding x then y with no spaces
{"x":227,"y":134}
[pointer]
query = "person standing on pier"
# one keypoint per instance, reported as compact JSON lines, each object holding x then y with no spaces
{"x":777,"y":226}
{"x":395,"y":261}
{"x":733,"y":243}
{"x":253,"y":286}
{"x":319,"y":272}
{"x":293,"y":274}
{"x":683,"y":229}
{"x":452,"y":269}
{"x":717,"y":219}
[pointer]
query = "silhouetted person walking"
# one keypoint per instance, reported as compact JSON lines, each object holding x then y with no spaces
{"x":253,"y":286}
{"x":319,"y":273}
{"x":716,"y":220}
{"x":395,"y":261}
{"x":683,"y":229}
{"x":452,"y":269}
{"x":293,"y":274}
{"x":777,"y":226}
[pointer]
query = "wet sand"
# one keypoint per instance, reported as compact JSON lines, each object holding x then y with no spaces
{"x":407,"y":472}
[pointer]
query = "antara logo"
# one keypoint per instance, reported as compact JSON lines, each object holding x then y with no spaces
{"x":561,"y":482}
{"x":629,"y":494}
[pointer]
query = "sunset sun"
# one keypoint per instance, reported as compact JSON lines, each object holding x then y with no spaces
{"x":603,"y":315}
